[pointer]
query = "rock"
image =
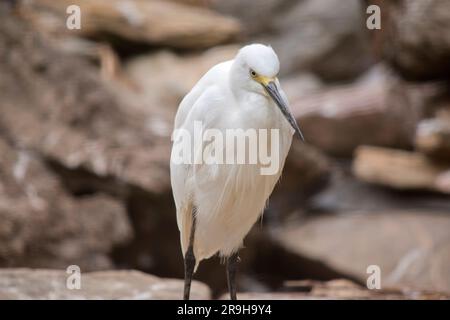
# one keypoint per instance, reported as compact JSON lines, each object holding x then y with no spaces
{"x":77,"y":231}
{"x":337,"y":290}
{"x":410,"y":247}
{"x":337,"y":41}
{"x":400,"y":169}
{"x":300,"y":85}
{"x":415,"y":39}
{"x":200,"y":3}
{"x":249,"y":13}
{"x":433,"y":138}
{"x":45,"y":284}
{"x":307,"y":35}
{"x":155,"y":22}
{"x":338,"y":119}
{"x":345,"y":192}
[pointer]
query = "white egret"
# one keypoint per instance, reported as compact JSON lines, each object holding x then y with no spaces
{"x":217,"y":204}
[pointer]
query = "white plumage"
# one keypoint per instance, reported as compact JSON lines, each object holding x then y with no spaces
{"x":228,"y":198}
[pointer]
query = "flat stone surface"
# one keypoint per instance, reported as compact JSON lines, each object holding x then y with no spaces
{"x":411,"y":248}
{"x":399,"y":169}
{"x":336,"y":290}
{"x":48,"y":284}
{"x":152,"y":22}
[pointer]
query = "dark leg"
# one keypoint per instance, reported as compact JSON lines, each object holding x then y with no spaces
{"x":231,"y":274}
{"x":189,"y":261}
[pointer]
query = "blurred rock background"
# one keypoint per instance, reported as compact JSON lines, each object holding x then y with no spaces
{"x":86,"y":117}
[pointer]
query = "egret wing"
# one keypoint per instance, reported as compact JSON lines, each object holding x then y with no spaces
{"x":197,"y":105}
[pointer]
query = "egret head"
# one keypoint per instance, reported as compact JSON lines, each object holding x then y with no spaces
{"x":255,"y":69}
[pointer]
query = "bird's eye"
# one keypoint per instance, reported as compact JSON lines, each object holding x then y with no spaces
{"x":252,"y":73}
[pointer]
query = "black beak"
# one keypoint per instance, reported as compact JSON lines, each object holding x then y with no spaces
{"x":273,"y":92}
